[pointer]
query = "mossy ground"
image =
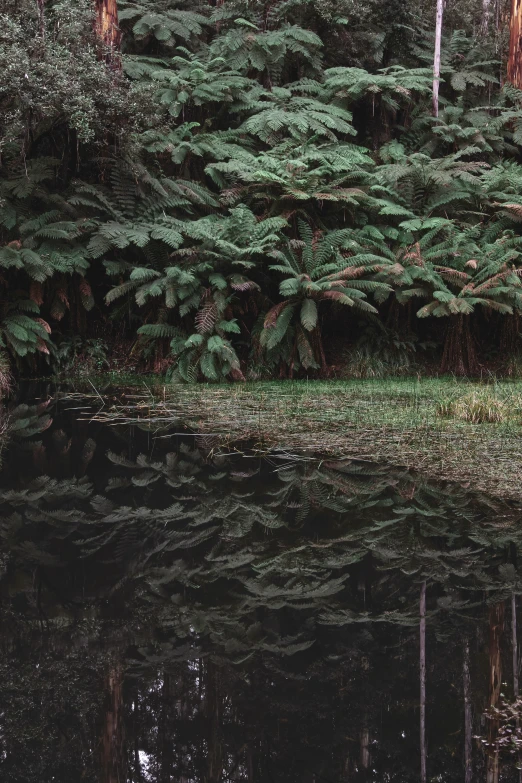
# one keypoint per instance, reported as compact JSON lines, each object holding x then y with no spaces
{"x":411,"y":422}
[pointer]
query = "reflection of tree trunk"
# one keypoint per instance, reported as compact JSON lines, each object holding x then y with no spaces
{"x":113,"y":759}
{"x":183,"y":716}
{"x":422,"y":631}
{"x":346,"y":768}
{"x":165,"y":731}
{"x":250,"y":764}
{"x":514,"y":646}
{"x":514,"y":643}
{"x":468,"y":729}
{"x":137,"y":776}
{"x":213,"y":710}
{"x":365,"y":758}
{"x":496,"y":627}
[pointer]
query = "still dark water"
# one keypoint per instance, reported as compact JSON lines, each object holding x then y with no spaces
{"x":173,"y":612}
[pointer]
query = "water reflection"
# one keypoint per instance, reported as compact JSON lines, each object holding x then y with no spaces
{"x":174,"y":613}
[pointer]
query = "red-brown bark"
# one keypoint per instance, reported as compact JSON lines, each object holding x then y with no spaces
{"x":107,"y":28}
{"x":514,"y":65}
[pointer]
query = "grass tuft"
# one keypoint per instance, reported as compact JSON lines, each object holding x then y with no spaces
{"x":363,"y":366}
{"x":475,"y":408}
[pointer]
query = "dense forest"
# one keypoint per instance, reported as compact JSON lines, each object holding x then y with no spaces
{"x":249,"y":189}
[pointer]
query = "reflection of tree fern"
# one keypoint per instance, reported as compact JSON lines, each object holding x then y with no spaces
{"x":193,"y":551}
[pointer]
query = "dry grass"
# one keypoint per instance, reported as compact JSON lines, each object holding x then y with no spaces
{"x":476,"y":408}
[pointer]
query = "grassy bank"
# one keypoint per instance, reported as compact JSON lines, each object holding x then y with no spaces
{"x":447,"y":429}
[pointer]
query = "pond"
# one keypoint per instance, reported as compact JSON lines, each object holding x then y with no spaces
{"x":177,"y":610}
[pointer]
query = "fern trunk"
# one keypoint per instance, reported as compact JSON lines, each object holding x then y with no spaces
{"x":319,"y":350}
{"x":459,"y":355}
{"x":509,"y":336}
{"x":514,"y":65}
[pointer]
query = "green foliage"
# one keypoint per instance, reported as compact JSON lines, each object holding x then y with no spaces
{"x":242,"y":143}
{"x":318,"y":268}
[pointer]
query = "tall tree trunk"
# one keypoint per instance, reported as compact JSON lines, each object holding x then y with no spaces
{"x":496,"y":627}
{"x":41,"y":18}
{"x":486,"y":13}
{"x":514,"y":65}
{"x":113,"y":758}
{"x":422,"y":633}
{"x":107,"y":29}
{"x":468,"y":728}
{"x":436,"y":59}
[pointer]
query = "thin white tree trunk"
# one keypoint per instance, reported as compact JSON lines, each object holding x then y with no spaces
{"x":436,"y":60}
{"x":486,"y":13}
{"x":422,"y":633}
{"x":41,"y":18}
{"x":514,"y":643}
{"x":514,"y":647}
{"x":365,"y":749}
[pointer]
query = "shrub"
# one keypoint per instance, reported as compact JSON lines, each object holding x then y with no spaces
{"x":5,"y":374}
